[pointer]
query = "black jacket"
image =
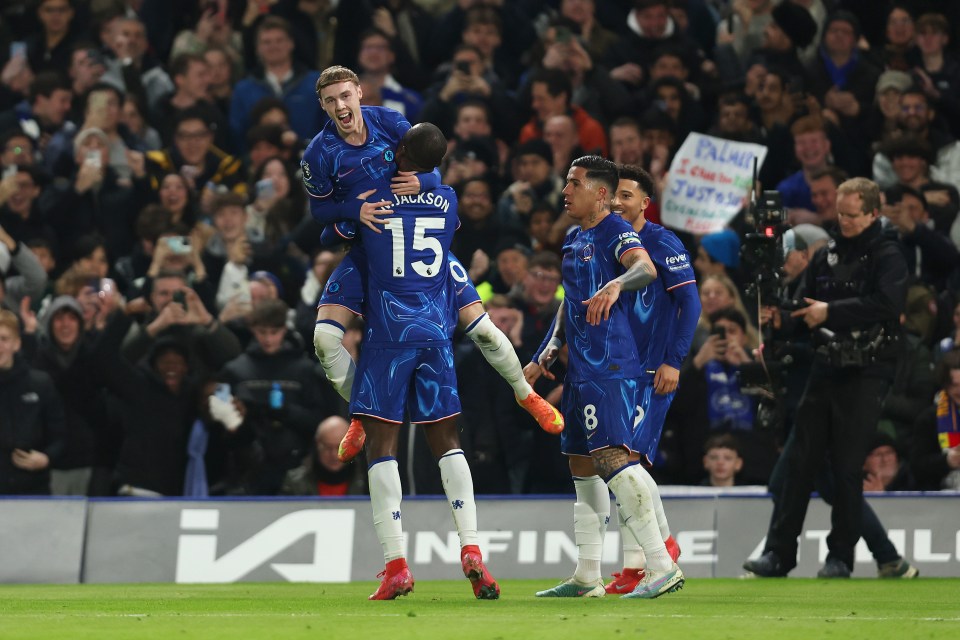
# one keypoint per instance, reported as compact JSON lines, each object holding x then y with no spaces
{"x":74,"y":376}
{"x":31,"y":417}
{"x":286,"y":433}
{"x":864,"y":281}
{"x":155,"y":420}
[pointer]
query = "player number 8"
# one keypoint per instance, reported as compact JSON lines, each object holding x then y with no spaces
{"x":590,"y":417}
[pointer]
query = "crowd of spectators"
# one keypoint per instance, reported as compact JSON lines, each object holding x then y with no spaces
{"x":160,"y":270}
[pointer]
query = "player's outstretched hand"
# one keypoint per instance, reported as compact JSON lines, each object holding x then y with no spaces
{"x":599,"y":305}
{"x":405,"y":183}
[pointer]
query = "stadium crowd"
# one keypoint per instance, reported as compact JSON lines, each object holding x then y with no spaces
{"x":160,"y":271}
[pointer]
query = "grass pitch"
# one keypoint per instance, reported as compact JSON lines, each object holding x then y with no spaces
{"x":704,"y":609}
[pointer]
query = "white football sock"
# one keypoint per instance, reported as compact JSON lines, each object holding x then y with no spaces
{"x":657,"y":502}
{"x":496,"y":348}
{"x":334,"y":358}
{"x":633,"y":557}
{"x":636,"y":506}
{"x":385,"y":496}
{"x":458,"y":485}
{"x":591,"y":514}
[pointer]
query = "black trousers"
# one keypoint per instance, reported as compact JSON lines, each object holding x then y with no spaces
{"x":872,"y":530}
{"x":838,"y":414}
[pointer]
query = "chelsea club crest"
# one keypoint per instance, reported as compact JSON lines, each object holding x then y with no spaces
{"x":586,"y":252}
{"x":388,"y":155}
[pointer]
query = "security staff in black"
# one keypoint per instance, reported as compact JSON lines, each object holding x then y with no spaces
{"x":858,"y":286}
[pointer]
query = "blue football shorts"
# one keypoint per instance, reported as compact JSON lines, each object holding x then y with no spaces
{"x":419,"y":381}
{"x":648,"y":420}
{"x":598,"y":414}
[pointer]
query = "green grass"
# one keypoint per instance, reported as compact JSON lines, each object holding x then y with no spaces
{"x":709,"y":609}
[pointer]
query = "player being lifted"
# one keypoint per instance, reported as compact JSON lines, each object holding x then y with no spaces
{"x":605,"y":377}
{"x":355,"y":148}
{"x":411,"y":313}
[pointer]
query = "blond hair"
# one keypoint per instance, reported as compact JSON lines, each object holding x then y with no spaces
{"x":9,"y":320}
{"x":867,"y":189}
{"x":333,"y":75}
{"x":753,"y":337}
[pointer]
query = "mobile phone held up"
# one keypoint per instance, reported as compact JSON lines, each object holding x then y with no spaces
{"x":719,"y":330}
{"x":179,"y":245}
{"x":94,"y":159}
{"x":265,"y":189}
{"x":180,"y":298}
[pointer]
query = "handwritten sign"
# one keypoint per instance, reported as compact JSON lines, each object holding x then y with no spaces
{"x":708,"y":180}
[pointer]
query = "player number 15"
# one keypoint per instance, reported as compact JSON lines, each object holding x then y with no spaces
{"x":421,"y":242}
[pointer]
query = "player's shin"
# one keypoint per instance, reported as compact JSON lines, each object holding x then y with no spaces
{"x":458,"y":485}
{"x":657,"y":502}
{"x":591,"y":514}
{"x":636,"y":506}
{"x":385,"y":496}
{"x":633,"y":557}
{"x":337,"y":364}
{"x":499,"y":352}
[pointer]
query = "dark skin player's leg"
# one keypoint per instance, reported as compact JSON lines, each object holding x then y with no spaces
{"x":382,"y":437}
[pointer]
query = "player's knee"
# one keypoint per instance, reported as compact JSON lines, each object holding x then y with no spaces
{"x":327,"y":339}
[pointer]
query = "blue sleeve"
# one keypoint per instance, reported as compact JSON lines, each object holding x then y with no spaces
{"x":338,"y":233}
{"x":687,"y":300}
{"x":429,"y":181}
{"x":317,"y":183}
{"x":546,"y":339}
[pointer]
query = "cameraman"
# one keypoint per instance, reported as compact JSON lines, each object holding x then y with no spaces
{"x":856,"y":291}
{"x":793,"y":353}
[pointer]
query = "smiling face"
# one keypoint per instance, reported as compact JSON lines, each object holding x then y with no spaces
{"x":171,"y":366}
{"x":811,"y":149}
{"x":173,"y":193}
{"x":341,"y":102}
{"x":630,"y":201}
{"x":65,"y":327}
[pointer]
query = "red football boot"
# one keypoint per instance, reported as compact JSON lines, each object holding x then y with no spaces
{"x":546,"y":415}
{"x":672,"y":548}
{"x":397,"y":581}
{"x":484,"y":585}
{"x":352,"y":443}
{"x":624,"y":582}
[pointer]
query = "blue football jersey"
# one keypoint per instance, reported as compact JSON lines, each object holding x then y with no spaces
{"x":334,"y":170}
{"x":655,"y":312}
{"x":410,"y":296}
{"x":591,"y":258}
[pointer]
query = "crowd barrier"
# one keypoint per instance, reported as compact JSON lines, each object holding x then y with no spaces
{"x":129,"y":540}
